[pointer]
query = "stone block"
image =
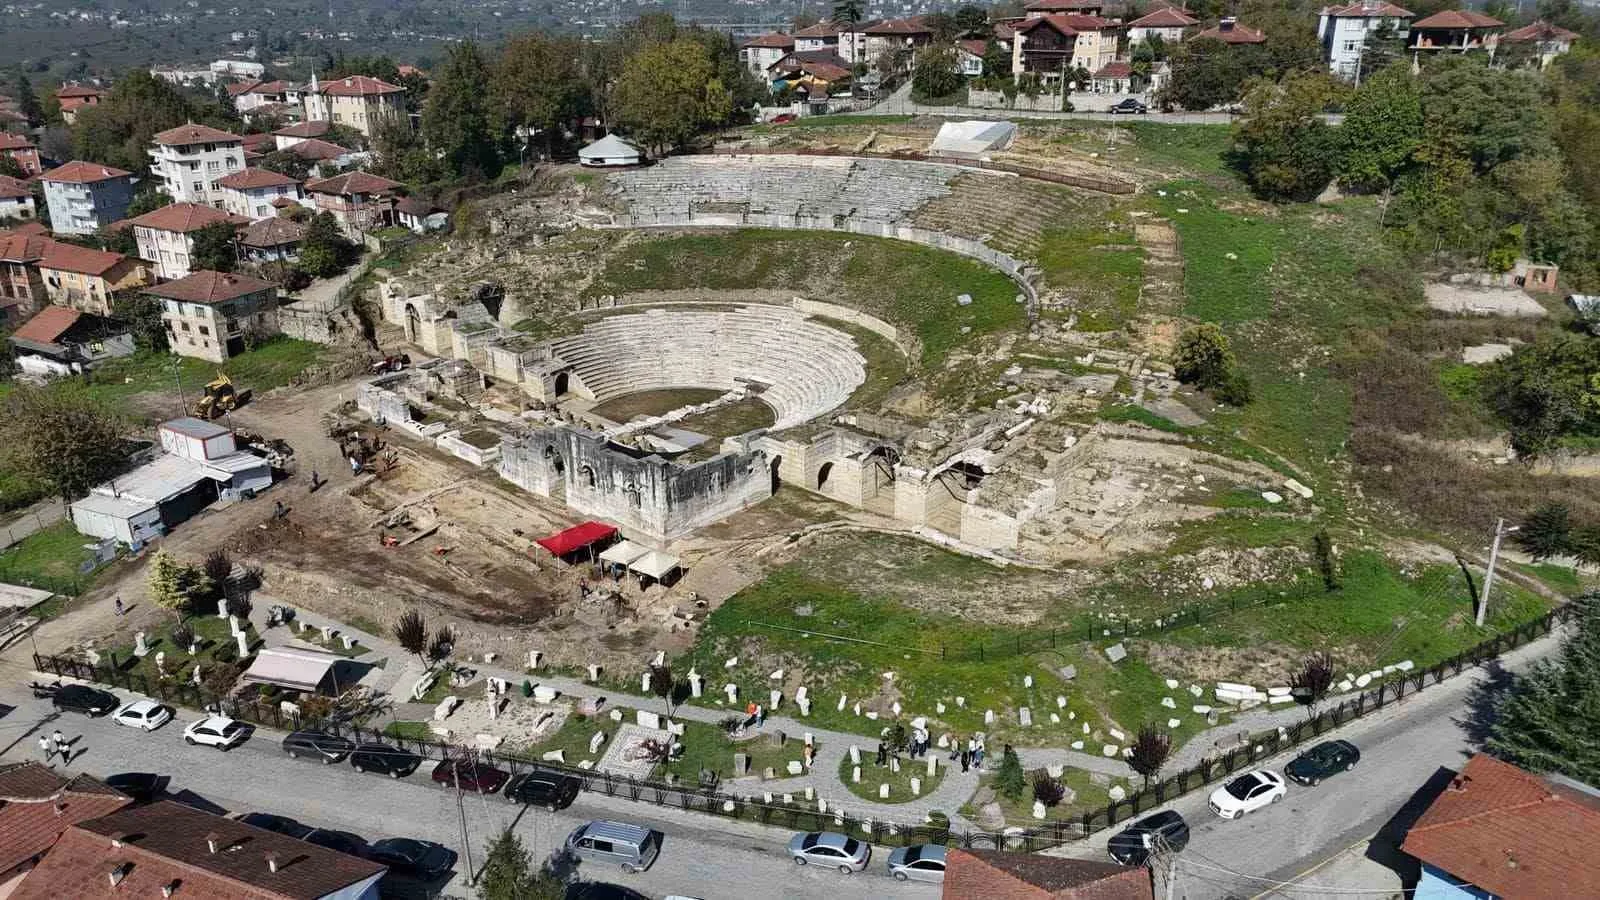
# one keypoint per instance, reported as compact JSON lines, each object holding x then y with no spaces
{"x":598,"y":738}
{"x":741,"y":765}
{"x":883,"y":792}
{"x":1116,"y":653}
{"x":556,"y":756}
{"x":647,"y":719}
{"x":1110,"y":750}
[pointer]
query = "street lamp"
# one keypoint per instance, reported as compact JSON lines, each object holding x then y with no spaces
{"x":1500,"y":531}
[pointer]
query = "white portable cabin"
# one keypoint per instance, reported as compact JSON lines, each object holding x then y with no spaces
{"x":196,"y":439}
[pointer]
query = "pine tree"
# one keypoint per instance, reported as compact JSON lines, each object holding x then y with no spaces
{"x":1011,"y":781}
{"x":508,"y":873}
{"x":166,"y":584}
{"x":1549,"y":721}
{"x":1546,"y":532}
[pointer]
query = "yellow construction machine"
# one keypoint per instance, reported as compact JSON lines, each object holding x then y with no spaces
{"x":220,"y":397}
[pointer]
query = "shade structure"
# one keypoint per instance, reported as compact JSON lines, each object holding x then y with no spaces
{"x":293,"y":668}
{"x":623,"y":553}
{"x":577,"y":537}
{"x":654,"y":564}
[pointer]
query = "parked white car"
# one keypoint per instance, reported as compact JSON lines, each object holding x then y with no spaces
{"x":1247,"y":793}
{"x":216,"y":731}
{"x":146,"y":714}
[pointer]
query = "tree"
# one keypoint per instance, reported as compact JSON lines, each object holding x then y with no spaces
{"x":662,"y":684}
{"x":1202,"y":357}
{"x":324,"y":251}
{"x":10,"y":168}
{"x":411,"y":633}
{"x":1327,"y":566}
{"x":141,"y":311}
{"x":538,"y":86}
{"x":27,"y":101}
{"x":214,"y":247}
{"x":1206,"y":73}
{"x":1382,"y":130}
{"x":1048,"y":790}
{"x":1544,"y":391}
{"x":218,"y":566}
{"x":1493,"y":115}
{"x":62,"y":436}
{"x":1546,"y":532}
{"x":457,"y":122}
{"x":1549,"y":719}
{"x":936,"y":73}
{"x":1282,"y":146}
{"x":117,"y":130}
{"x":182,"y":636}
{"x":1011,"y":780}
{"x":669,"y":92}
{"x":239,"y":605}
{"x":1151,"y":747}
{"x":1312,"y":681}
{"x":508,"y":873}
{"x":401,"y":153}
{"x":442,"y":644}
{"x":176,"y":586}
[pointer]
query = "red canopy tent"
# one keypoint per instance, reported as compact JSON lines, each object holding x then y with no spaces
{"x":576,"y":538}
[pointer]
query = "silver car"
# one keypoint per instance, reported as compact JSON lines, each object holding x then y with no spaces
{"x":924,"y":862}
{"x":830,"y":848}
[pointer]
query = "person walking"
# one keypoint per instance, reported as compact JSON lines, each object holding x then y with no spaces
{"x":60,"y":742}
{"x":118,"y":605}
{"x":966,"y":760}
{"x":46,"y":747}
{"x":883,"y":753}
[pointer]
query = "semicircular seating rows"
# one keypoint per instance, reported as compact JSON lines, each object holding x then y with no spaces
{"x":883,"y":190}
{"x":804,"y":368}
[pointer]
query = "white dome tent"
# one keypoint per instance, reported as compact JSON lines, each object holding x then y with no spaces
{"x":610,"y":151}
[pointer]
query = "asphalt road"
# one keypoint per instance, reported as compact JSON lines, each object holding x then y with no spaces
{"x":701,"y":856}
{"x":1265,"y":853}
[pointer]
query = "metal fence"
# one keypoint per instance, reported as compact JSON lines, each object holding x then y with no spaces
{"x":811,"y":817}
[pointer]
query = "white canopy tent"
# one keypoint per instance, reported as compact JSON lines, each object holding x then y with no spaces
{"x":623,"y":553}
{"x":610,"y":151}
{"x":655,"y":564}
{"x":293,"y":668}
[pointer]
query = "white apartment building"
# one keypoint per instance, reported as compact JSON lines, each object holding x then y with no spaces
{"x":1343,"y":32}
{"x":191,"y":159}
{"x":357,"y":101}
{"x":84,"y":197}
{"x":166,"y":236}
{"x":250,"y":193}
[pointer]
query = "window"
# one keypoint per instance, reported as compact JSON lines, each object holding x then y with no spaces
{"x":199,"y":187}
{"x":184,"y":325}
{"x":602,"y":846}
{"x":204,"y":330}
{"x":213,"y":166}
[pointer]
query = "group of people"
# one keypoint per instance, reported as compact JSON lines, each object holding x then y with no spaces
{"x":969,"y":753}
{"x":56,"y":745}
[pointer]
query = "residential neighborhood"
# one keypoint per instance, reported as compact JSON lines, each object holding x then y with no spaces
{"x":1047,"y":449}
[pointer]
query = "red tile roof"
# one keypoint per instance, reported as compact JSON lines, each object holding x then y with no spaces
{"x":317,"y":150}
{"x":1456,"y":18}
{"x":1540,"y":31}
{"x":80,"y":172}
{"x":819,"y":30}
{"x":1165,"y":17}
{"x":1368,"y":9}
{"x":353,"y":183}
{"x":14,"y":188}
{"x":206,"y":286}
{"x":985,"y":873}
{"x":1117,"y":69}
{"x":247,"y":179}
{"x":239,"y":87}
{"x":23,"y":247}
{"x":186,"y":217}
{"x":359,"y":86}
{"x":1048,"y":5}
{"x":1005,"y":31}
{"x":67,"y":257}
{"x":78,"y":90}
{"x":1511,"y":833}
{"x":1237,"y":34}
{"x":47,"y":325}
{"x":191,"y":133}
{"x":777,"y":40}
{"x":975,"y":46}
{"x":269,"y":87}
{"x":257,"y":141}
{"x":164,"y":843}
{"x":9,"y":141}
{"x":310,"y":129}
{"x":38,"y":805}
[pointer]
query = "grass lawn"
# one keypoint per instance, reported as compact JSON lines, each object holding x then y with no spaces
{"x":18,"y":490}
{"x":872,"y":775}
{"x":730,"y":419}
{"x":273,"y":364}
{"x":411,"y":731}
{"x":53,"y":559}
{"x":1086,"y":796}
{"x":706,"y":747}
{"x":1560,"y":578}
{"x":214,"y":642}
{"x":653,"y":403}
{"x":572,"y":737}
{"x":921,"y":295}
{"x":1103,"y":267}
{"x":886,"y":365}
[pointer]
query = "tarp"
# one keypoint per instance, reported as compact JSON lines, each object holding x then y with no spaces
{"x":623,"y":552}
{"x":290,"y":667}
{"x":655,"y":564}
{"x":576,"y":538}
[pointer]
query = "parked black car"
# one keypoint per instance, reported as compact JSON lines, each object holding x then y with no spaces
{"x":1322,"y":761}
{"x":318,"y":745}
{"x":550,"y":790}
{"x":1134,"y":844}
{"x":419,"y":859}
{"x":385,"y":760}
{"x":342,"y":841}
{"x":87,"y":700}
{"x":1130,"y":106}
{"x":143,"y":787}
{"x":277,"y":824}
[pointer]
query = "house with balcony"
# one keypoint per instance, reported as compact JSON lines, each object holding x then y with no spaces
{"x":1053,"y":46}
{"x":22,"y":152}
{"x":1343,"y":31}
{"x":74,"y":97}
{"x":356,"y":100}
{"x":821,"y":36}
{"x":1455,"y":31}
{"x":165,"y":236}
{"x":21,"y":286}
{"x":271,"y":240}
{"x":89,"y":280}
{"x":215,"y":315}
{"x":897,"y":36}
{"x":250,"y":95}
{"x":84,"y":197}
{"x":1168,"y":24}
{"x":16,"y":201}
{"x":1540,"y":42}
{"x":191,"y":159}
{"x":359,"y":201}
{"x":759,"y":53}
{"x":60,"y":341}
{"x":250,"y":193}
{"x":1038,"y":8}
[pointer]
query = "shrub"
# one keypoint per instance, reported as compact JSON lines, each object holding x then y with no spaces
{"x":1202,"y":357}
{"x":1011,"y":781}
{"x":1047,"y":790}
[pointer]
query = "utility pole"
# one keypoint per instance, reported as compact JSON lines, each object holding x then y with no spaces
{"x":1163,"y":863}
{"x":1500,"y":531}
{"x":461,"y":810}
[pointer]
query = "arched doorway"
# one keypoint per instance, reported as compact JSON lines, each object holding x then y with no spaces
{"x":413,"y":323}
{"x":563,"y":382}
{"x":556,"y":462}
{"x":823,"y":473}
{"x":587,"y":474}
{"x":777,"y":481}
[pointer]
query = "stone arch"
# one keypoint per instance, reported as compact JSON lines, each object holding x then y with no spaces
{"x":586,"y":472}
{"x":823,"y":473}
{"x":555,"y":458}
{"x":632,"y":494}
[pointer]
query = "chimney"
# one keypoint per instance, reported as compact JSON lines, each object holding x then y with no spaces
{"x":117,"y":838}
{"x":272,"y":861}
{"x":1458,"y":784}
{"x":212,"y":842}
{"x":170,"y":888}
{"x":119,"y":872}
{"x":1226,"y":25}
{"x":61,"y":806}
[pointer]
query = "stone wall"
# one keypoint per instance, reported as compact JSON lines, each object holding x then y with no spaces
{"x":997,"y":100}
{"x":846,"y":314}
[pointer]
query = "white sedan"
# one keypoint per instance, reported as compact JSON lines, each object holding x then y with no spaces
{"x":146,"y":714}
{"x":1247,"y":793}
{"x":216,"y":731}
